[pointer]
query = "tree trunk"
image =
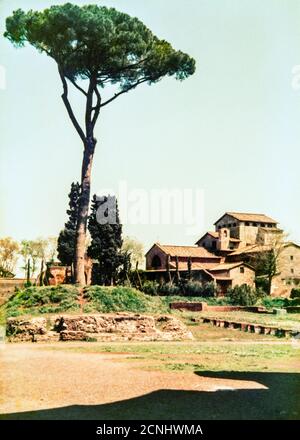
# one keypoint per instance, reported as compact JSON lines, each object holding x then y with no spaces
{"x":83,"y":209}
{"x":28,"y":272}
{"x":42,"y":274}
{"x":270,"y":284}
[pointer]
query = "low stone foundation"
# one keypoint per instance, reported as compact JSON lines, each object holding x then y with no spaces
{"x":260,"y":329}
{"x":99,"y":327}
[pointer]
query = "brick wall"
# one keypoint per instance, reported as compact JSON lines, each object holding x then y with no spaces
{"x":8,"y":287}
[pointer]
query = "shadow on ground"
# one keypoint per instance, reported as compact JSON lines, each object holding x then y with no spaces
{"x":279,"y":401}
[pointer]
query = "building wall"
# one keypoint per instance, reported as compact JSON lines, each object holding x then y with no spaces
{"x":8,"y":287}
{"x":208,"y":241}
{"x":286,"y":280}
{"x":286,"y":263}
{"x":224,"y":237}
{"x":238,"y":278}
{"x":248,"y":234}
{"x":226,"y":221}
{"x":269,"y":237}
{"x":155,"y":251}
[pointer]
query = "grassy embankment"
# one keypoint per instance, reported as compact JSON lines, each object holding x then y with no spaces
{"x":64,"y":299}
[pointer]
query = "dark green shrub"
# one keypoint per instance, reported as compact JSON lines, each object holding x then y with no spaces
{"x":244,"y":295}
{"x":151,"y":287}
{"x":295,"y":293}
{"x":196,"y":288}
{"x":169,"y":289}
{"x":262,"y":283}
{"x":277,"y":303}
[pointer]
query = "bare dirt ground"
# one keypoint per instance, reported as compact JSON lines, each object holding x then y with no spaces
{"x":38,"y":383}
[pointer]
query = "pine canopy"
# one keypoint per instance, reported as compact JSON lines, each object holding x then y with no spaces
{"x":91,"y":39}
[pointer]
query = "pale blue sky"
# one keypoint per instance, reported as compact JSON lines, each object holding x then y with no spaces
{"x":232,"y":129}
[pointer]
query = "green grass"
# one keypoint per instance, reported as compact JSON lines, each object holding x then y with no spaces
{"x":121,"y":299}
{"x":60,"y":299}
{"x":191,"y":356}
{"x":209,"y":300}
{"x":41,"y":300}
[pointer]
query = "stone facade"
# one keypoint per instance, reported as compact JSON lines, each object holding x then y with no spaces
{"x":245,"y":227}
{"x":288,"y":271}
{"x":205,"y":266}
{"x":245,"y":277}
{"x":236,"y":237}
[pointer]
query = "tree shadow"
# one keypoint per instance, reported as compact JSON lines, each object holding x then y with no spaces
{"x":279,"y":401}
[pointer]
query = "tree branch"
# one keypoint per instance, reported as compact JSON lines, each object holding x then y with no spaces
{"x":97,"y":107}
{"x":124,"y":91}
{"x":76,"y":85}
{"x":89,"y":107}
{"x":68,"y":105}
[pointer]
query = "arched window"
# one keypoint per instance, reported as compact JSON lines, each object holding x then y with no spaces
{"x":156,"y":262}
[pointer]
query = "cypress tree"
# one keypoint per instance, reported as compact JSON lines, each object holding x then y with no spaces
{"x":106,"y":241}
{"x":67,"y":237}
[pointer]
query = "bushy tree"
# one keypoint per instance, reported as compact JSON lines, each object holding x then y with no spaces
{"x":106,"y":240}
{"x":135,"y":250}
{"x":244,"y":295}
{"x":67,"y":237}
{"x":35,"y":252}
{"x":266,"y":261}
{"x":8,"y":256}
{"x":103,"y":47}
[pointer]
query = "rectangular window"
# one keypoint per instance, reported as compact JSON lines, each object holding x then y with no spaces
{"x":242,"y":269}
{"x":291,"y":257}
{"x":292,"y":270}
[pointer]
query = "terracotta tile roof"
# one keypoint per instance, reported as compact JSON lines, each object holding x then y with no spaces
{"x":245,"y":217}
{"x":213,"y":234}
{"x":186,"y":251}
{"x":182,"y":265}
{"x":226,"y":266}
{"x":250,"y":249}
{"x":219,"y":278}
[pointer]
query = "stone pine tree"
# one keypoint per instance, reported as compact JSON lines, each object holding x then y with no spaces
{"x":95,"y":47}
{"x":106,"y":240}
{"x":67,"y":237}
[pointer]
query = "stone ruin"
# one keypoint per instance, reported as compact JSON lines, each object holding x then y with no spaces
{"x":97,"y":327}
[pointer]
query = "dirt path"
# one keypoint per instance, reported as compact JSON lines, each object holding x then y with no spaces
{"x":33,"y":378}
